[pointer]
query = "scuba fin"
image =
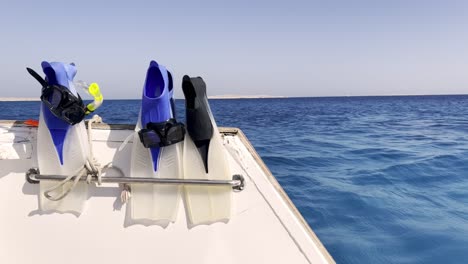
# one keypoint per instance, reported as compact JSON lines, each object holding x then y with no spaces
{"x":204,"y":157}
{"x":62,"y":142}
{"x":156,"y":151}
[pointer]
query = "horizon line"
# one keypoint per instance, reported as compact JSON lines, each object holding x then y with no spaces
{"x":233,"y":97}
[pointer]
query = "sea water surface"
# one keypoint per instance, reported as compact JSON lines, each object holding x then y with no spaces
{"x":379,"y":179}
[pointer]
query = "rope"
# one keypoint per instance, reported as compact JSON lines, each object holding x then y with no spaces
{"x":126,"y":194}
{"x":77,"y":176}
{"x":90,"y":169}
{"x":92,"y":163}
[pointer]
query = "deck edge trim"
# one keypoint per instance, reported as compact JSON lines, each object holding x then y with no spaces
{"x":279,"y":189}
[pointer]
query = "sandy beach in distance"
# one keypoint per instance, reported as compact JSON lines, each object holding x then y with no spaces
{"x":16,"y":99}
{"x":23,"y":99}
{"x":244,"y":96}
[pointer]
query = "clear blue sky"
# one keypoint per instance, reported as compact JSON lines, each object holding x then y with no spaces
{"x":292,"y":48}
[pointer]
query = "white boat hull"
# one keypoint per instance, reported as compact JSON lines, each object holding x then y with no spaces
{"x":265,"y":227}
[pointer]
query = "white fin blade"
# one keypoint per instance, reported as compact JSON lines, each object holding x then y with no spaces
{"x":218,"y":168}
{"x":142,"y":194}
{"x":75,"y":151}
{"x":207,"y":204}
{"x":197,"y":201}
{"x":150,"y":201}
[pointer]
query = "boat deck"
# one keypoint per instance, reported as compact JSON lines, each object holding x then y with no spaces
{"x":265,"y":226}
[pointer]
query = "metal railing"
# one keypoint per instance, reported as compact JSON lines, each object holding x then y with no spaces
{"x":237,"y":183}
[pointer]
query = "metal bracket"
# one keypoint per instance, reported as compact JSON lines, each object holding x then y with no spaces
{"x":30,"y":175}
{"x":240,"y":178}
{"x":237,"y":183}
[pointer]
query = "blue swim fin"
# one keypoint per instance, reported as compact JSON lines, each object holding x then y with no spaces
{"x":156,"y":204}
{"x":62,"y":149}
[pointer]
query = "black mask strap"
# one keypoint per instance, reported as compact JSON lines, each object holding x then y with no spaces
{"x":37,"y":77}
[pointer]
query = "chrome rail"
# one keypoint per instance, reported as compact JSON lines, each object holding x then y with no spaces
{"x":237,"y":183}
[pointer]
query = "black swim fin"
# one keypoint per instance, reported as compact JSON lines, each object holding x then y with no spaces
{"x":198,"y":118}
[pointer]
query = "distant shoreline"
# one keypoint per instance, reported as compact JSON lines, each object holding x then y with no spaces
{"x":245,"y":97}
{"x":18,"y":99}
{"x":229,"y":97}
{"x":27,"y":99}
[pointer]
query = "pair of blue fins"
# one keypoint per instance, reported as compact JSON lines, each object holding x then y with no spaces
{"x":162,"y":148}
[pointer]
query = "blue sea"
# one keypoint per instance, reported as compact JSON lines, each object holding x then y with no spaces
{"x":379,"y":179}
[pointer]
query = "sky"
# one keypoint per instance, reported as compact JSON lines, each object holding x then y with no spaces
{"x":281,"y":48}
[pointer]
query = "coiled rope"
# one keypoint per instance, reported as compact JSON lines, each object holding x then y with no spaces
{"x":90,"y":169}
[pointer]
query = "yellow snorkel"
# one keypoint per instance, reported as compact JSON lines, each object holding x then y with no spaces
{"x":95,"y":92}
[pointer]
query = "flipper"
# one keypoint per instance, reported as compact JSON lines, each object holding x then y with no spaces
{"x":204,"y":157}
{"x":156,"y":151}
{"x":62,"y":148}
